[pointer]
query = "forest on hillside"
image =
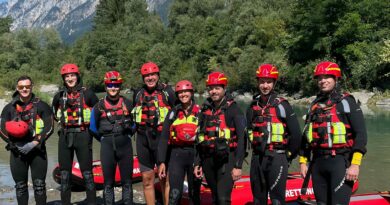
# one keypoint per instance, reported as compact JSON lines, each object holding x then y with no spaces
{"x":233,"y":36}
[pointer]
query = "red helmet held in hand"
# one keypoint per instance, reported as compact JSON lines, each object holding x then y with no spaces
{"x":69,"y":68}
{"x":17,"y":129}
{"x":149,"y":68}
{"x":216,"y":78}
{"x":183,"y":85}
{"x":113,"y":77}
{"x":267,"y":71}
{"x":327,"y":68}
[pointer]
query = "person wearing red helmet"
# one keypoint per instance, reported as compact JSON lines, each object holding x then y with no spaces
{"x":220,"y":142}
{"x":111,"y":123}
{"x":72,"y":109}
{"x":177,"y":142}
{"x":335,"y":138}
{"x":26,"y":123}
{"x":275,"y":137}
{"x":151,"y":104}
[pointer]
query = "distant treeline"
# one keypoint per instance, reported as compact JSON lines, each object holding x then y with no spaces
{"x":233,"y":36}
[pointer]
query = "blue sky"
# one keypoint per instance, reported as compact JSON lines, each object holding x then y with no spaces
{"x":2,"y":1}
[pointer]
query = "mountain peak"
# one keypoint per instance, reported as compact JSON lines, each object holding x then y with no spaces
{"x":71,"y":18}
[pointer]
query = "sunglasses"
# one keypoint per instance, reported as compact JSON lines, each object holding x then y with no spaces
{"x":20,"y":87}
{"x":113,"y":85}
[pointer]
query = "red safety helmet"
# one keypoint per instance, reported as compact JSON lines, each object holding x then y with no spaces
{"x":69,"y":68}
{"x":113,"y":77}
{"x":16,"y":129}
{"x":148,"y":68}
{"x":327,"y":68}
{"x":183,"y":85}
{"x":267,"y":71}
{"x":216,"y":78}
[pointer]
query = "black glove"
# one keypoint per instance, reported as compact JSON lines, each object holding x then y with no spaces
{"x":26,"y":148}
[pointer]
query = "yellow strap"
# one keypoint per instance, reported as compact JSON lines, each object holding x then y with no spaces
{"x":302,"y":160}
{"x":357,"y":158}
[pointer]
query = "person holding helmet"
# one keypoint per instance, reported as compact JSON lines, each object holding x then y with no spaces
{"x":26,"y":123}
{"x":151,"y":105}
{"x":335,"y":138}
{"x":72,"y":109}
{"x":275,"y":138}
{"x":179,"y":131}
{"x":111,"y":124}
{"x":221,"y":147}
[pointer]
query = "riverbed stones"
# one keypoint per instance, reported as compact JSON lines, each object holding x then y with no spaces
{"x":383,"y":103}
{"x":50,"y":88}
{"x":363,"y":96}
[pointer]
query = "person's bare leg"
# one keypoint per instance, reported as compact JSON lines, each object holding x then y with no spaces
{"x":148,"y":182}
{"x":164,"y":183}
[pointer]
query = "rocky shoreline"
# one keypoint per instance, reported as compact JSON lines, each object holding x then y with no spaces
{"x":363,"y":97}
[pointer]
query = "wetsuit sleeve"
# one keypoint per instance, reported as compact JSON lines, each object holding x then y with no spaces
{"x":198,"y":160}
{"x":240,"y":125}
{"x":358,"y":126}
{"x":55,"y":105}
{"x":129,"y":107}
{"x":171,"y":96}
{"x":94,"y":123}
{"x":304,"y":150}
{"x":164,"y":137}
{"x":136,"y":92}
{"x":293,"y":129}
{"x":46,"y":114}
{"x":90,"y":98}
{"x":5,"y":116}
{"x":249,"y":116}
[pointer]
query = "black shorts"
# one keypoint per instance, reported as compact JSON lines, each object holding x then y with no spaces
{"x":146,"y":145}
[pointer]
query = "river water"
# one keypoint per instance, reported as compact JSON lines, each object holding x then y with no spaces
{"x":374,"y":172}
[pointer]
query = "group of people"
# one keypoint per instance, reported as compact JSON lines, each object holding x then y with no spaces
{"x":187,"y":140}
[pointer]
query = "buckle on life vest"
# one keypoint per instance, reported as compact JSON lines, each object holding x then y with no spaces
{"x":333,"y":152}
{"x":259,"y":119}
{"x":270,"y":147}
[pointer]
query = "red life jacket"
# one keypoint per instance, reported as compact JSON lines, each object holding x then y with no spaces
{"x":214,"y":126}
{"x":151,"y":108}
{"x":267,"y":126}
{"x":324,"y":127}
{"x":74,"y":111}
{"x":29,"y":114}
{"x":114,"y":118}
{"x":184,"y":128}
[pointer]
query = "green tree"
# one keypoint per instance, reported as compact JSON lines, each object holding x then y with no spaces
{"x":5,"y":24}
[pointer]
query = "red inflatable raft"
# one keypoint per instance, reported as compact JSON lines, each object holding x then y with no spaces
{"x":382,"y":198}
{"x":77,"y":177}
{"x":242,"y":192}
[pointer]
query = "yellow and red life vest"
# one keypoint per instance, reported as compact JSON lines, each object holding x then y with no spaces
{"x":74,"y":111}
{"x":214,"y":126}
{"x":267,"y":125}
{"x":113,"y":118}
{"x":30,"y":116}
{"x":184,"y":128}
{"x":325,"y":129}
{"x":151,"y":108}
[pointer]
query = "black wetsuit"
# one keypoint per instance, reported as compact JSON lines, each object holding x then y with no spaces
{"x":269,"y":167}
{"x":36,"y":159}
{"x":74,"y":139}
{"x":217,"y":170}
{"x":149,"y":135}
{"x":329,"y":167}
{"x":181,"y":162}
{"x":114,"y":132}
